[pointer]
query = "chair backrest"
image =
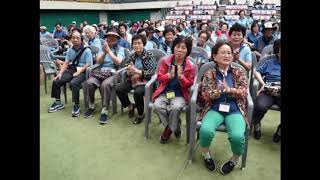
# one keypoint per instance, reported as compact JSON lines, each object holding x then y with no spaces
{"x":126,"y":56}
{"x":94,"y":49}
{"x":155,"y":46}
{"x":253,"y":66}
{"x":204,"y":68}
{"x":264,"y":59}
{"x":157,"y":53}
{"x":210,"y":44}
{"x":48,"y":35}
{"x":48,"y":66}
{"x":102,"y":42}
{"x":268,"y":50}
{"x":50,"y":42}
{"x":197,"y":52}
{"x":44,"y":54}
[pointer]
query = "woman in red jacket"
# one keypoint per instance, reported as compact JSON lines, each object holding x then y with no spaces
{"x":175,"y":75}
{"x":223,"y":34}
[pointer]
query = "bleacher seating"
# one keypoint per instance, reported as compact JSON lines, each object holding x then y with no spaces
{"x":200,"y":17}
{"x":233,"y":9}
{"x":263,"y":14}
{"x":206,"y":7}
{"x":181,"y":8}
{"x":197,"y":12}
{"x":174,"y":17}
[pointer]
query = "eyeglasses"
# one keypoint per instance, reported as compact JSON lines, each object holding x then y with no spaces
{"x":229,"y":53}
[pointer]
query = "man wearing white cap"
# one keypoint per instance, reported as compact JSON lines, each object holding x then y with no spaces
{"x":264,"y":40}
{"x":158,"y":36}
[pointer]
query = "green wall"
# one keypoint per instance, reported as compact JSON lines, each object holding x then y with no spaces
{"x":50,"y":17}
{"x":130,"y":15}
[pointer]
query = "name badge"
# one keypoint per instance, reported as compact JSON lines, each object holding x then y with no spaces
{"x":224,"y":107}
{"x":171,"y":95}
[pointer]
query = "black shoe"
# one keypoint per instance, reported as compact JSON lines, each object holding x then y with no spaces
{"x":177,"y":134}
{"x":103,"y":118}
{"x":257,"y":134}
{"x":210,"y":164}
{"x":131,"y":111}
{"x":277,"y":136}
{"x":138,"y":119}
{"x":257,"y":131}
{"x":227,"y":167}
{"x":89,"y":113}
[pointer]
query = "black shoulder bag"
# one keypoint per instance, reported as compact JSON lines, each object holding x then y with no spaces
{"x":73,"y":67}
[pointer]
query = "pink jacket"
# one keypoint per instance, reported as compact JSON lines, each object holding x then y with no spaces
{"x":219,"y":33}
{"x":186,"y":82}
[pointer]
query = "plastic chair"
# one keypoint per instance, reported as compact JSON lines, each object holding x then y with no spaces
{"x":268,"y":50}
{"x":200,"y":55}
{"x":149,"y":103}
{"x":222,"y":128}
{"x":156,"y":52}
{"x":49,"y":67}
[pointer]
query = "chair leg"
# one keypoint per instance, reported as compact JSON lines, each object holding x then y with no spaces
{"x":188,"y":126}
{"x":147,"y":121}
{"x":192,"y":142}
{"x":65,"y":93}
{"x":86,"y":102}
{"x":45,"y":83}
{"x":244,"y":156}
{"x":114,"y":100}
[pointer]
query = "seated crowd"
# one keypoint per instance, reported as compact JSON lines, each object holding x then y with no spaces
{"x":223,"y":89}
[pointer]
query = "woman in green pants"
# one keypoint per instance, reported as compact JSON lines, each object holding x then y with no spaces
{"x":224,"y":91}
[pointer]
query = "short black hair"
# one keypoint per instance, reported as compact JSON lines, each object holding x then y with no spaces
{"x":149,"y":29}
{"x":139,"y":36}
{"x":141,"y":30}
{"x":124,"y":25}
{"x":238,"y":28}
{"x":205,"y":32}
{"x":76,"y":30}
{"x":168,"y":29}
{"x":203,"y":24}
{"x":182,"y":39}
{"x":253,"y":25}
{"x":241,"y":11}
{"x":225,"y":24}
{"x":276,"y":46}
{"x":58,"y":23}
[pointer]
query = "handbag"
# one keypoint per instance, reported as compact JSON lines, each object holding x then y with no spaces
{"x":100,"y":74}
{"x":273,"y":89}
{"x":73,"y":67}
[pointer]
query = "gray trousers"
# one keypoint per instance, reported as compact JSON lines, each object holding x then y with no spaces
{"x":169,"y":111}
{"x":105,"y":90}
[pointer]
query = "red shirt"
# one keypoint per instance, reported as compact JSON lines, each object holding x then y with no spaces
{"x":186,"y":82}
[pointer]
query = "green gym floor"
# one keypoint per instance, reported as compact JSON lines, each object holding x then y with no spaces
{"x":82,"y":149}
